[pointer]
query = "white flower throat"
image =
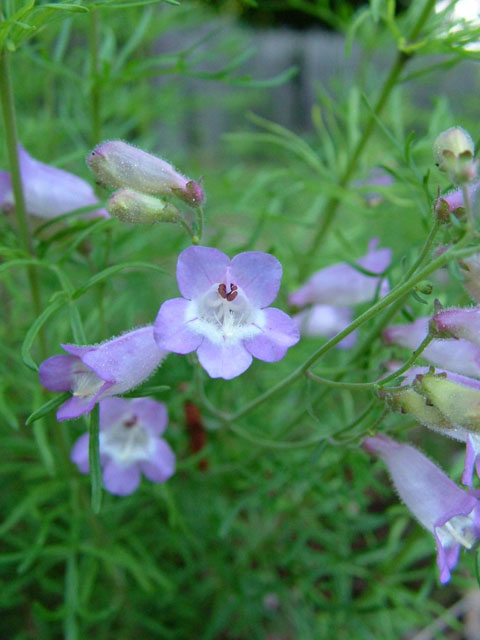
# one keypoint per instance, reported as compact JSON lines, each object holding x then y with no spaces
{"x":459,"y":529}
{"x":126,"y":442}
{"x":227,"y":311}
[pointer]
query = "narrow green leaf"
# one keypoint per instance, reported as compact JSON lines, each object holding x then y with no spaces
{"x":94,"y":460}
{"x":46,"y":408}
{"x":35,"y":328}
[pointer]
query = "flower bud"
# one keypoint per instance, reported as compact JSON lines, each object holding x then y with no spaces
{"x":138,"y":208}
{"x":411,"y":402}
{"x":458,"y":404}
{"x":453,"y":150}
{"x":118,"y":164}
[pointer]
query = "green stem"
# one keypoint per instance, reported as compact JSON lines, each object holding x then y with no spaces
{"x":11,"y":141}
{"x":95,"y":63}
{"x":331,"y":206}
{"x":395,"y":294}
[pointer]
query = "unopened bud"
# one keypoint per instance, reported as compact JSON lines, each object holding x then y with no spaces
{"x":411,"y":402}
{"x":139,"y":208}
{"x":458,"y":404}
{"x":453,"y":150}
{"x":118,"y":164}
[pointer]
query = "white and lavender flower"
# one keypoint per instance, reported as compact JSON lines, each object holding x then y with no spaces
{"x":49,"y":192}
{"x":450,"y":513}
{"x":95,"y":372}
{"x":460,"y":323}
{"x":130,"y":444}
{"x":459,"y":356}
{"x":224,"y":314}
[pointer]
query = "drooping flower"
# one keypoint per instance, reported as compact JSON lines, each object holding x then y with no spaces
{"x":458,"y":356}
{"x":224,"y":314}
{"x":343,"y":285}
{"x":453,"y":202}
{"x":460,"y":323}
{"x":450,"y":513}
{"x":333,"y":290}
{"x":49,"y":192}
{"x":449,"y":404}
{"x":326,"y":320}
{"x":118,"y":164}
{"x":94,"y":372}
{"x":130,"y":444}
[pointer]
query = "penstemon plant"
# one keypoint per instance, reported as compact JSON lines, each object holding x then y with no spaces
{"x":200,"y":363}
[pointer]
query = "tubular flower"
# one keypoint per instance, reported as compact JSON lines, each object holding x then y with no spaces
{"x":343,"y":285}
{"x":460,"y":323}
{"x":118,"y":164}
{"x":130,"y":444}
{"x":49,"y":192}
{"x":331,"y":291}
{"x":107,"y":369}
{"x":450,"y":513}
{"x":458,"y":356}
{"x":223,"y":314}
{"x":452,"y":202}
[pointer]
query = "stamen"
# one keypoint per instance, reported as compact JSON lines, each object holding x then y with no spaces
{"x":131,"y":422}
{"x":228,"y":295}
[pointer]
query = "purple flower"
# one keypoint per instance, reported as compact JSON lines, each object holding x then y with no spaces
{"x":130,"y":444}
{"x":49,"y":192}
{"x":460,"y":323}
{"x":343,"y":285}
{"x":459,"y":356}
{"x":118,"y":164}
{"x":326,"y":320}
{"x":471,"y":275}
{"x":452,"y":202}
{"x":95,"y":372}
{"x":223,"y":314}
{"x":450,"y":513}
{"x":378,"y":178}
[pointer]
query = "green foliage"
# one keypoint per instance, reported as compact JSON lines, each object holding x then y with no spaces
{"x":280,"y":526}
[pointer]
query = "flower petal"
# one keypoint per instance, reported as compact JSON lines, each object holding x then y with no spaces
{"x":161,"y":465}
{"x":79,"y":453}
{"x":198,"y":268}
{"x":127,"y":360}
{"x":112,"y":411}
{"x":326,"y":320}
{"x":225,"y":360}
{"x":152,"y":414}
{"x":56,"y":372}
{"x":6,"y":195}
{"x":49,"y":191}
{"x":278,"y":334}
{"x":258,"y":274}
{"x":78,"y":405}
{"x":460,"y":323}
{"x":472,"y":459}
{"x":121,"y":481}
{"x":172,"y":332}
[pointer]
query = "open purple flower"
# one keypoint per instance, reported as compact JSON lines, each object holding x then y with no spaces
{"x":458,"y":356}
{"x":95,"y":372}
{"x":49,"y":192}
{"x":223,"y":314}
{"x":130,"y":444}
{"x":333,"y":290}
{"x":450,"y":513}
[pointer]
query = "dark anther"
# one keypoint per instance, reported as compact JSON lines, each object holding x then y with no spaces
{"x":131,"y":422}
{"x":228,"y":295}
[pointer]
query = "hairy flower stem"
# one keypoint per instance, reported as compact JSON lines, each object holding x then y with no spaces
{"x":331,"y":206}
{"x":11,"y":141}
{"x":398,"y":292}
{"x":95,"y":93}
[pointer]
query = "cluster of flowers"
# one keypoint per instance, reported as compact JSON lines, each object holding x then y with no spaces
{"x":224,"y":315}
{"x":445,"y":399}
